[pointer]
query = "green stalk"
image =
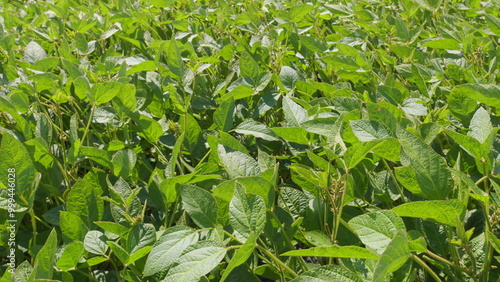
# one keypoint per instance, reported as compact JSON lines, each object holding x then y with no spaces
{"x":86,"y":275}
{"x":172,"y":216}
{"x":289,"y":241}
{"x":393,"y":177}
{"x":232,"y":237}
{"x":338,"y":214}
{"x":425,"y":267}
{"x":455,"y":266}
{"x":489,"y":248}
{"x":33,"y":226}
{"x":88,"y":123}
{"x":278,"y":261}
{"x":454,"y":254}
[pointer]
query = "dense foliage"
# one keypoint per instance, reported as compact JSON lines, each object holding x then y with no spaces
{"x":275,"y":140}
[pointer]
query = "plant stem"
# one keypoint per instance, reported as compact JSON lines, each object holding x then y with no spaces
{"x":88,"y":123}
{"x":454,"y":254}
{"x":449,"y":263}
{"x":426,"y":267}
{"x":278,"y":261}
{"x":86,"y":275}
{"x":289,"y":241}
{"x":488,"y":246}
{"x":393,"y":177}
{"x":33,"y":226}
{"x":232,"y":237}
{"x":482,"y":179}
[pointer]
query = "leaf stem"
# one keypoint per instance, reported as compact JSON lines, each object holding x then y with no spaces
{"x":88,"y":123}
{"x":278,"y":261}
{"x":86,"y":275}
{"x":33,"y":226}
{"x":426,"y":267}
{"x":489,"y":248}
{"x":289,"y":241}
{"x":401,"y":191}
{"x":449,"y":263}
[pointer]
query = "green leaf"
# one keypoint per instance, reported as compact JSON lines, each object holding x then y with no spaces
{"x":321,"y":126}
{"x":239,"y":92}
{"x":318,"y":238}
{"x":417,"y":243}
{"x":408,"y":178}
{"x":104,"y":92}
{"x":342,"y":63}
{"x":445,"y":43}
{"x":484,"y":93}
{"x":387,"y":148}
{"x":288,"y":77}
{"x":495,"y":242}
{"x":299,"y":11}
{"x":174,"y":58}
{"x":44,"y":128}
{"x":237,"y":163}
{"x":493,"y":23}
{"x":95,"y":242}
{"x":416,"y":72}
{"x":258,"y":186}
{"x":377,"y":229}
{"x":367,"y":130}
{"x":33,"y":52}
{"x":333,"y":252}
{"x":127,"y":97}
{"x":394,"y":256}
{"x":307,"y":179}
{"x":144,"y":66}
{"x":44,"y":262}
{"x":168,"y":248}
{"x":294,"y":113}
{"x":401,"y":29}
{"x":249,"y":67}
{"x":200,"y":205}
{"x":293,"y":134}
{"x":240,"y":256}
{"x":81,"y":43}
{"x":412,"y":106}
{"x":328,"y":273}
{"x":84,"y":199}
{"x":247,"y":213}
{"x":140,"y":253}
{"x":443,"y":212}
{"x":119,"y":252}
{"x":15,"y":164}
{"x":20,"y":123}
{"x":257,"y":129}
{"x":95,"y":261}
{"x":313,"y":44}
{"x":392,"y":94}
{"x":97,"y":155}
{"x":149,"y":128}
{"x":461,"y":106}
{"x":223,"y":116}
{"x":72,"y":226}
{"x":112,"y":227}
{"x":196,"y":261}
{"x":431,"y":170}
{"x":124,"y":162}
{"x":474,"y":148}
{"x":175,"y":154}
{"x":70,"y":256}
{"x":192,"y":131}
{"x":480,"y":125}
{"x":140,"y":236}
